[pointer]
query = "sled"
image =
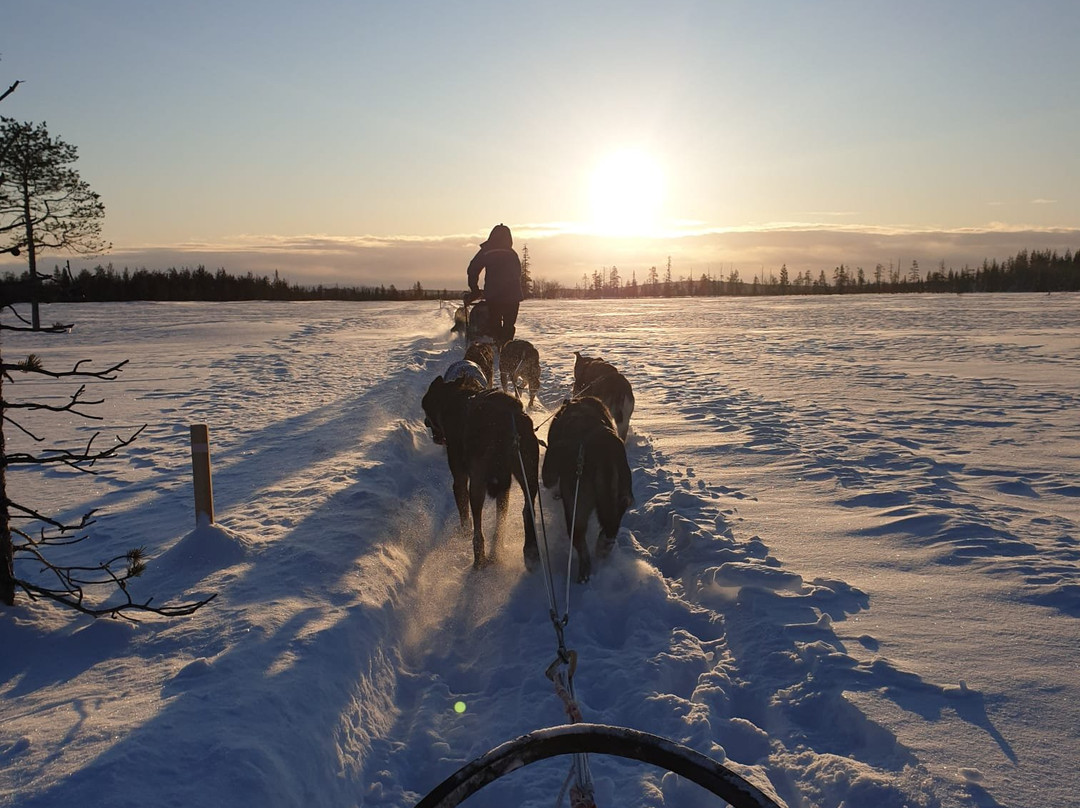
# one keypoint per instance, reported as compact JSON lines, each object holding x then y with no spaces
{"x":580,"y":738}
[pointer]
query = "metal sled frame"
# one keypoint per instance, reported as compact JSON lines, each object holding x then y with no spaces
{"x":602,"y":739}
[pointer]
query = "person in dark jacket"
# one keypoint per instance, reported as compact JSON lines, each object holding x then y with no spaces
{"x":502,"y":282}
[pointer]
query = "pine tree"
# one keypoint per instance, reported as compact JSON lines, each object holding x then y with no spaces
{"x":526,"y":275}
{"x":44,"y":204}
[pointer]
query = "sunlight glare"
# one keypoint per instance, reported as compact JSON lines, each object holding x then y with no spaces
{"x":626,"y":192}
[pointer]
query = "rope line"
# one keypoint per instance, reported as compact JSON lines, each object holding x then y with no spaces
{"x":532,"y":517}
{"x":561,"y":670}
{"x":573,"y":522}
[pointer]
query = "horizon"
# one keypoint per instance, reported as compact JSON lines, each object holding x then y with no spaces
{"x":356,"y":145}
{"x":889,"y":278}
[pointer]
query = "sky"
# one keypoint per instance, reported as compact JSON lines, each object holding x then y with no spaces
{"x":346,"y":142}
{"x":849,"y":574}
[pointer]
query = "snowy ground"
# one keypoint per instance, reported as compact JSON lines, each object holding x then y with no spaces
{"x":851,"y":572}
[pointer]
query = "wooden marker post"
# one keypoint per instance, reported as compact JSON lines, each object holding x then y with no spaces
{"x":200,"y":471}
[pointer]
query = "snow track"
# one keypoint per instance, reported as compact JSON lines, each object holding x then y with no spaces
{"x":831,"y":556}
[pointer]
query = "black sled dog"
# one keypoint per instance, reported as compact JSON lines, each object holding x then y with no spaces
{"x":595,"y":377}
{"x":489,"y":443}
{"x":586,"y":459}
{"x":519,"y":368}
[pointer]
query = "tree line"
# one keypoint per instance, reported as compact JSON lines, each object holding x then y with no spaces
{"x":1027,"y":271}
{"x":106,"y":284}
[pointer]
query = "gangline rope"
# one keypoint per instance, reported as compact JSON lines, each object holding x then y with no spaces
{"x":561,"y":670}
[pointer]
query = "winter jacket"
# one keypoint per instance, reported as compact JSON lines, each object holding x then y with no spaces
{"x":502,"y":281}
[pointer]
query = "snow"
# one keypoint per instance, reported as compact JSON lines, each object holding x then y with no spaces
{"x":851,"y":572}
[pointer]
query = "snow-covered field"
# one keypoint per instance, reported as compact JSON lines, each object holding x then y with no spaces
{"x":851,"y":571}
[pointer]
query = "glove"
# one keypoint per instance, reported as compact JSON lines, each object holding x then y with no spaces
{"x":470,"y":296}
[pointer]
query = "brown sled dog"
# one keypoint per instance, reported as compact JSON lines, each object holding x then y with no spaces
{"x":477,"y":321}
{"x":586,"y":459}
{"x":595,"y":377}
{"x":520,"y":361}
{"x":483,"y":354}
{"x":489,"y":443}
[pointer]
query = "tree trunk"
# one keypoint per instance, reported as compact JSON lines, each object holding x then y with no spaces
{"x":31,"y":257}
{"x":7,"y":569}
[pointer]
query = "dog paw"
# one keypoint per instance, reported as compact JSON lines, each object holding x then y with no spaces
{"x":603,"y":547}
{"x":584,"y":572}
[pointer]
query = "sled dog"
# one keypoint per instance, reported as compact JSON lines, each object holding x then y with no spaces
{"x":519,"y":368}
{"x":461,"y":319}
{"x":595,"y":377}
{"x":478,"y":322}
{"x":586,"y":459}
{"x":489,"y":443}
{"x":463,"y":368}
{"x":483,"y":354}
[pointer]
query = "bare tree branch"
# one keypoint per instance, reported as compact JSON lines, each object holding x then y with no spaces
{"x":81,"y":461}
{"x":74,"y":600}
{"x":20,"y":427}
{"x":30,"y":513}
{"x":55,"y":328}
{"x":32,"y":364}
{"x":10,"y":90}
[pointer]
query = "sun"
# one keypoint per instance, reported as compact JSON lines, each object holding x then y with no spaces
{"x":626,"y":193}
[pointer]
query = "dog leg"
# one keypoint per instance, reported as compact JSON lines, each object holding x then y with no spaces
{"x":528,"y":479}
{"x":502,"y":504}
{"x":577,"y":523}
{"x":479,"y":560}
{"x":477,"y":494}
{"x":604,"y":543}
{"x":530,"y":550}
{"x":584,"y":561}
{"x":461,"y":499}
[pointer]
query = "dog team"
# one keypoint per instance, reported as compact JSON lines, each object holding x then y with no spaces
{"x":491,"y":441}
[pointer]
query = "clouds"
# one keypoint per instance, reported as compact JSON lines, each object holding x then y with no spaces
{"x":276,"y":119}
{"x":560,"y":253}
